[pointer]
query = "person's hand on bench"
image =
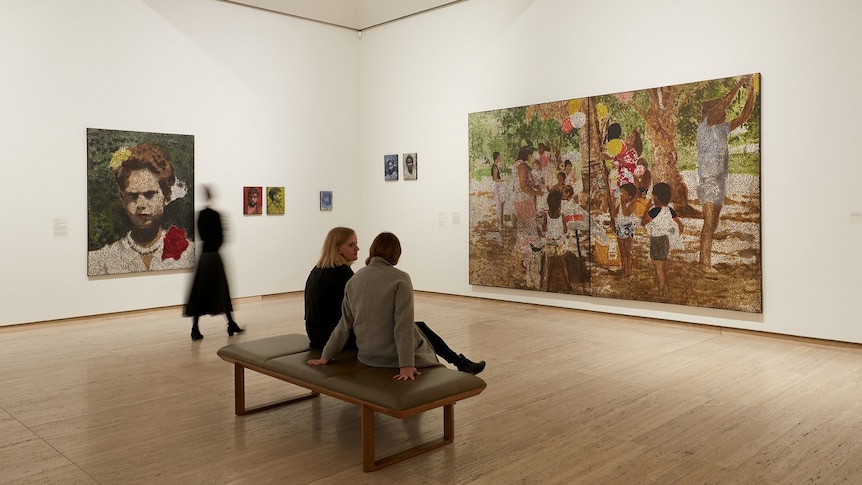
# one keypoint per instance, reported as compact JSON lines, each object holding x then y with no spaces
{"x":320,"y":361}
{"x":407,"y":373}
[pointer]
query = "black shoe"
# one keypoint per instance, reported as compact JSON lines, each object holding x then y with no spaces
{"x":233,"y":328}
{"x":465,"y":365}
{"x":196,"y":334}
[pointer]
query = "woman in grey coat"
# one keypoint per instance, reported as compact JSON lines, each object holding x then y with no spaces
{"x":378,"y":309}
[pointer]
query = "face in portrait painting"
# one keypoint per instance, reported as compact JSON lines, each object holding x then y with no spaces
{"x":275,"y":200}
{"x":390,"y":167}
{"x":252,"y":200}
{"x":326,"y":200}
{"x":140,"y":212}
{"x":411,"y":166}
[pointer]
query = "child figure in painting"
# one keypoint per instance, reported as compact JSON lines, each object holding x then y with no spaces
{"x":624,"y":226}
{"x":659,"y":220}
{"x":553,"y":226}
{"x":643,"y":178}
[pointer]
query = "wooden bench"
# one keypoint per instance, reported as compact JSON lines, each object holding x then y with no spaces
{"x":373,"y":389}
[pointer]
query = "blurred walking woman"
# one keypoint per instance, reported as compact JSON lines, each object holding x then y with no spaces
{"x":210,"y":294}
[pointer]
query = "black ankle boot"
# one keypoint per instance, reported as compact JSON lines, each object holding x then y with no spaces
{"x":196,"y":334}
{"x":465,"y":365}
{"x":233,"y":328}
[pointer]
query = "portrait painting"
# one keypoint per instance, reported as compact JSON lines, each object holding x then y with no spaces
{"x":390,"y":167}
{"x":649,"y":195}
{"x":140,"y":211}
{"x":326,"y":200}
{"x":252,"y":202}
{"x":275,"y":200}
{"x":411,"y":166}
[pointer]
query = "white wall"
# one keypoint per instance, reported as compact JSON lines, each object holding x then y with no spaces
{"x":274,"y":100}
{"x":271,"y":100}
{"x":420,"y":77}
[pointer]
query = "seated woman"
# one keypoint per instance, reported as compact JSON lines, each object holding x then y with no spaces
{"x":373,"y":310}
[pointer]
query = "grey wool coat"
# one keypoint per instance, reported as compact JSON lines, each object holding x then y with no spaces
{"x":378,"y":307}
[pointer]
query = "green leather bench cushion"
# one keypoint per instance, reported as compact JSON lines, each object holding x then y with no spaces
{"x":287,"y":355}
{"x":256,"y":352}
{"x":375,"y":385}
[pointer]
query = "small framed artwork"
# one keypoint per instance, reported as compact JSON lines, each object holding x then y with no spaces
{"x":275,"y":201}
{"x":390,"y":167}
{"x":251,"y":203}
{"x":411,"y":166}
{"x":326,"y":200}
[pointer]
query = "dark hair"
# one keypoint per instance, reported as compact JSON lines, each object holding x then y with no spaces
{"x":567,"y":162}
{"x":525,"y":152}
{"x":630,"y":189}
{"x":614,"y":131}
{"x":661,"y":191}
{"x":409,"y":157}
{"x":555,"y":200}
{"x":569,"y":191}
{"x":637,"y":141}
{"x":253,"y":190}
{"x":495,"y":155}
{"x":143,"y":156}
{"x":387,"y":246}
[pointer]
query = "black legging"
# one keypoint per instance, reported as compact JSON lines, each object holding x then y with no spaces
{"x":440,"y":347}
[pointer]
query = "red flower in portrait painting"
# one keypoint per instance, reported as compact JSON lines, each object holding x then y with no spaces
{"x":175,"y":243}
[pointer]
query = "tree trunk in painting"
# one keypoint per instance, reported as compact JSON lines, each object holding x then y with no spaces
{"x":661,"y":130}
{"x":595,"y":170}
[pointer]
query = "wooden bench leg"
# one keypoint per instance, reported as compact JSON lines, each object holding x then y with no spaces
{"x":369,"y":464}
{"x":239,"y":395}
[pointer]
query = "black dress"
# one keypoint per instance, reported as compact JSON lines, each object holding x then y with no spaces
{"x":209,"y":294}
{"x":324,"y":290}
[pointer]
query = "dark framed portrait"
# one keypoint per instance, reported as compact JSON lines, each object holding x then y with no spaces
{"x":326,"y":200}
{"x":252,"y":201}
{"x":390,"y":167}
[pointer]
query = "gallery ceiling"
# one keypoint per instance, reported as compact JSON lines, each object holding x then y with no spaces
{"x":352,"y":14}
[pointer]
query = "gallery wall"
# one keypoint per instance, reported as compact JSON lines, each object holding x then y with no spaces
{"x":420,"y":78}
{"x":265,"y":108}
{"x":274,"y":100}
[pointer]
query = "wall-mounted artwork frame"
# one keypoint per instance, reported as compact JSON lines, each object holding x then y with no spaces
{"x":252,"y":200}
{"x":275,"y":201}
{"x":411,"y":166}
{"x":140,"y":211}
{"x":700,"y":139}
{"x":326,"y":200}
{"x":390,"y":167}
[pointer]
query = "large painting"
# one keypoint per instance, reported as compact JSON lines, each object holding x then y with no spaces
{"x":650,"y":195}
{"x":140,"y":209}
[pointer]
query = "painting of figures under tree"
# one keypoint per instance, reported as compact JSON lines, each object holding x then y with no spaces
{"x":649,"y":195}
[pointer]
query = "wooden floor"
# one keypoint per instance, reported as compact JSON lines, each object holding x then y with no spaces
{"x":572,"y":397}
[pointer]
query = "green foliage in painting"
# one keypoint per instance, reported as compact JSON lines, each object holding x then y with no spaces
{"x":107,"y":221}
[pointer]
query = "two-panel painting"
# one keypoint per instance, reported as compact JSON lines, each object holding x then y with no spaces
{"x":648,"y":195}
